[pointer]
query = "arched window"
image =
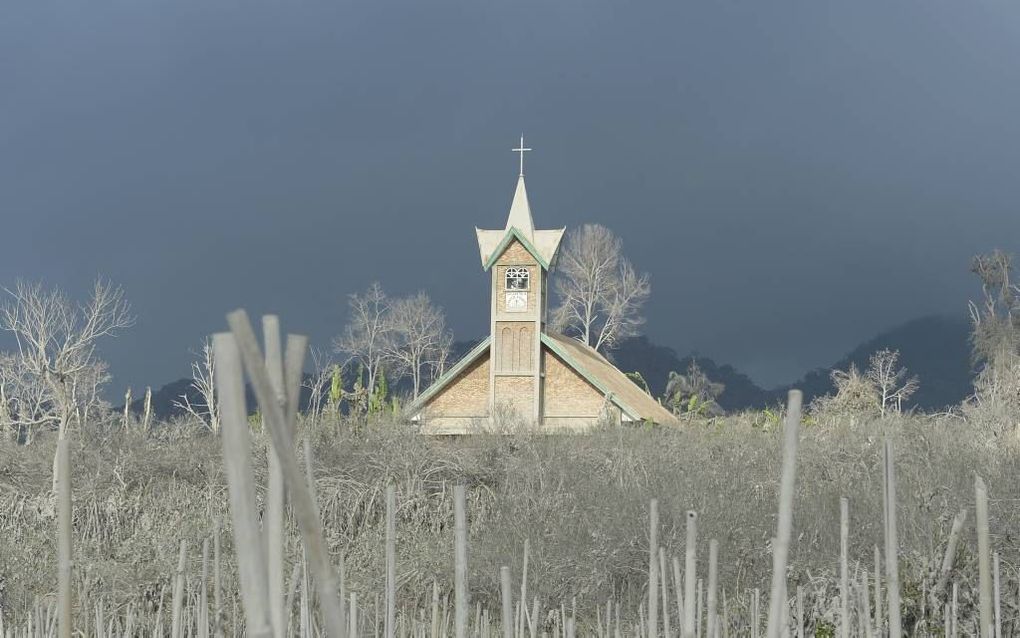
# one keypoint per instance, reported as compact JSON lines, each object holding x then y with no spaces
{"x":517,"y":278}
{"x":524,"y":350}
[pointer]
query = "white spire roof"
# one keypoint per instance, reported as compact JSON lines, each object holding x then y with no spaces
{"x":542,"y":243}
{"x":520,"y":212}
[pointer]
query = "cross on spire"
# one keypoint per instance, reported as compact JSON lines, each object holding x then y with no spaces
{"x":521,"y":149}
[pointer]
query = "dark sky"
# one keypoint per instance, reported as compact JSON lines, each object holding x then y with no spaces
{"x":795,"y":176}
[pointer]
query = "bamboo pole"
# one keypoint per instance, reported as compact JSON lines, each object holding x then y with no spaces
{"x":663,"y":575}
{"x":353,"y":630}
{"x":507,"y":602}
{"x":984,"y":559}
{"x":878,"y":591}
{"x":653,"y":567}
{"x":524,"y":588}
{"x":461,"y":600}
{"x":865,"y":617}
{"x":949,"y":557}
{"x":273,"y":522}
{"x":678,"y":587}
{"x":844,"y":568}
{"x":390,"y":622}
{"x":217,"y":585}
{"x":127,"y":408}
{"x":203,"y":599}
{"x":756,"y":613}
{"x":304,"y":508}
{"x":700,"y":608}
{"x":690,"y":573}
{"x":64,"y":553}
{"x":713,"y":586}
{"x":997,"y":591}
{"x":891,"y":544}
{"x":177,"y":602}
{"x":147,"y":410}
{"x":237,"y":463}
{"x":784,"y":526}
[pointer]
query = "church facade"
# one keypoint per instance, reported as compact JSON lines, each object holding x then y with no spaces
{"x":523,"y":369}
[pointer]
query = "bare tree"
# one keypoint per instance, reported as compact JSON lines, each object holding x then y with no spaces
{"x":318,"y":383}
{"x":856,"y":394}
{"x":600,"y":293}
{"x":995,"y":336}
{"x":203,"y":371}
{"x":417,"y":343}
{"x":364,"y":338}
{"x":56,"y":343}
{"x":24,"y":400}
{"x":891,"y":382}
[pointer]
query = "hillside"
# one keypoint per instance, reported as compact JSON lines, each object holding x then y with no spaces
{"x":935,"y":348}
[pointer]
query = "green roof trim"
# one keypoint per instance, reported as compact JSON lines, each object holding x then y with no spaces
{"x":511,"y":234}
{"x":450,"y":375}
{"x":562,"y":354}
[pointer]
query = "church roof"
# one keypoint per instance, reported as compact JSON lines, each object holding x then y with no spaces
{"x":636,"y":404}
{"x":542,"y":244}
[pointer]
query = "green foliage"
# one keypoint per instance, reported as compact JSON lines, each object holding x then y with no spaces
{"x":336,"y":388}
{"x":825,"y":630}
{"x":639,"y":380}
{"x":692,"y":394}
{"x":377,"y":398}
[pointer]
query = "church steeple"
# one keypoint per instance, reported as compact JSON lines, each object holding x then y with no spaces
{"x":542,"y":244}
{"x":520,"y":212}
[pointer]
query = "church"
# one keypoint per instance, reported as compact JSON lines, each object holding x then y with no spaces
{"x":523,"y":368}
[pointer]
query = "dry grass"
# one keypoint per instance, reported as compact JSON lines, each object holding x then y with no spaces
{"x":582,"y":501}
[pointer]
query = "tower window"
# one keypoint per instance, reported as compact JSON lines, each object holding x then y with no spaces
{"x":517,"y":278}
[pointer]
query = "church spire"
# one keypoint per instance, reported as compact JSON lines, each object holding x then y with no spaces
{"x":520,"y":210}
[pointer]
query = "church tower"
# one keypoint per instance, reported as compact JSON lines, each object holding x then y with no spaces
{"x":552,"y":381}
{"x":519,"y":258}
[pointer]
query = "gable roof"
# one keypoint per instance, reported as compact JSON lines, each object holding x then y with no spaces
{"x":637,"y":404}
{"x":450,"y":375}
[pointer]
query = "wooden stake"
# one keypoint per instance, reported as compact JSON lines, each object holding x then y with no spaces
{"x":391,"y":562}
{"x":949,"y":557}
{"x":690,"y":573}
{"x":64,"y":553}
{"x":891,"y":544}
{"x":303,"y":506}
{"x":998,"y":606}
{"x":878,"y":592}
{"x":678,"y":587}
{"x":177,"y":602}
{"x":461,"y":600}
{"x":653,"y":567}
{"x":844,"y":568}
{"x":784,"y":526}
{"x":507,"y":617}
{"x":984,"y":558}
{"x":713,"y":585}
{"x":663,"y":575}
{"x":273,"y":520}
{"x":237,"y":463}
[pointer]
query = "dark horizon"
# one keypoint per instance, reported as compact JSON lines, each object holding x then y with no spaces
{"x":794,"y":180}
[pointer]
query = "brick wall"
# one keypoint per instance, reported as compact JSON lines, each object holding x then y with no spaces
{"x":568,"y":394}
{"x":465,"y":396}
